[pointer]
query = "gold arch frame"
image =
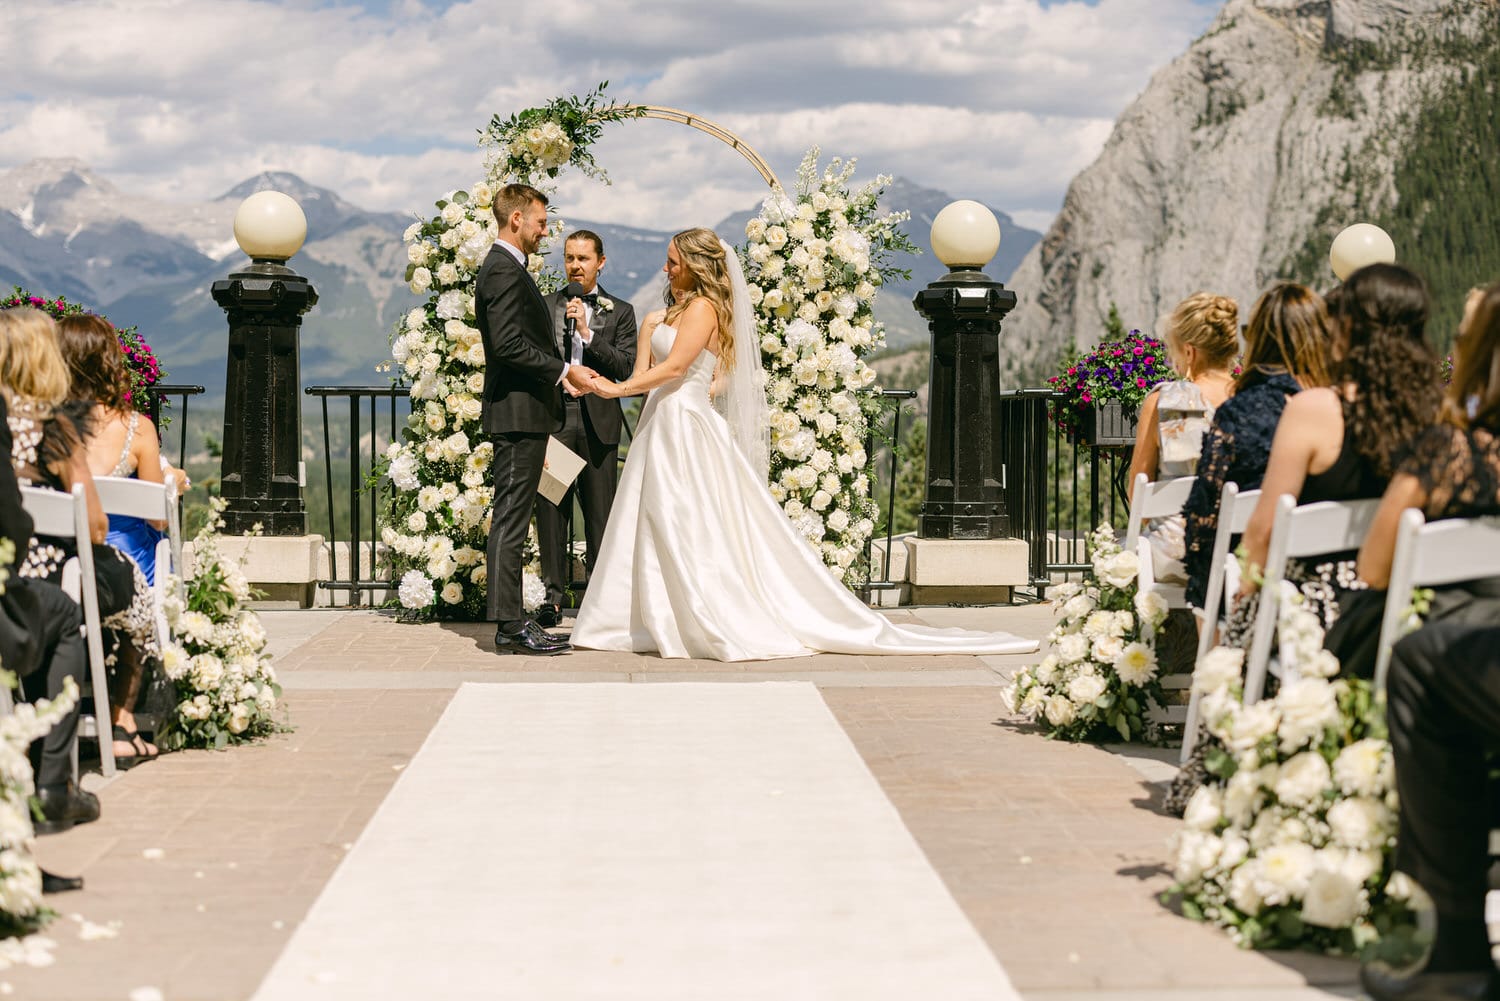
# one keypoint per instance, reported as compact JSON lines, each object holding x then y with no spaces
{"x":714,"y":129}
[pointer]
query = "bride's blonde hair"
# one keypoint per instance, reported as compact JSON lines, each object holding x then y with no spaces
{"x":702,"y":254}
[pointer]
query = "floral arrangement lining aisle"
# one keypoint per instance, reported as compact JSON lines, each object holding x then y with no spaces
{"x":1100,"y":682}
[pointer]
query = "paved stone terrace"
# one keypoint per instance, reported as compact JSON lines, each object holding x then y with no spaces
{"x":1053,"y":851}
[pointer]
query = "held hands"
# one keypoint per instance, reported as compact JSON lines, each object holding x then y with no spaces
{"x":579,"y":380}
{"x":608,"y":389}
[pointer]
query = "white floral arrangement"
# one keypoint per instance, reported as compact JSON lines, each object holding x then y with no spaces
{"x":226,"y":687}
{"x":1100,"y":680}
{"x":436,"y":521}
{"x":1289,"y":842}
{"x":814,"y":263}
{"x":21,"y":907}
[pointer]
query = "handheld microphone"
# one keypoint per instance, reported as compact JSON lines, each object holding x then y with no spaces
{"x":575,"y":291}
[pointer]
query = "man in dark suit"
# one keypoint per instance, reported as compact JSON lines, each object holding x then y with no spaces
{"x":596,"y":330}
{"x":525,"y":380}
{"x":1444,"y":715}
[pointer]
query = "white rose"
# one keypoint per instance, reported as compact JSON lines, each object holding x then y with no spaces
{"x":1244,"y":891}
{"x":447,"y":274}
{"x":416,"y":522}
{"x":1195,"y":852}
{"x":1331,"y":900}
{"x":1072,"y":649}
{"x":1221,"y":666}
{"x":1303,"y":779}
{"x":1098,"y":624}
{"x":1047,"y":669}
{"x":453,"y":592}
{"x":1084,"y":689}
{"x":1250,"y":725}
{"x":1284,"y":871}
{"x":1108,"y":649}
{"x":1360,"y":822}
{"x":1204,"y":810}
{"x":421,"y":281}
{"x":1078,"y":606}
{"x":1120,"y":570}
{"x":1151,"y":607}
{"x":1059,"y":711}
{"x":1365,"y":768}
{"x":1308,"y":706}
{"x":417,"y":253}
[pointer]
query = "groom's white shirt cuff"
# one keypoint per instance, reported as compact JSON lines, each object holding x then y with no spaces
{"x":521,"y":260}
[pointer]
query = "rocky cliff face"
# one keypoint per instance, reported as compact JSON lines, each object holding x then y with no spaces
{"x":1241,"y":160}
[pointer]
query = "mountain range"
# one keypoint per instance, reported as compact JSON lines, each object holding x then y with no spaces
{"x":1241,"y":160}
{"x":64,"y":230}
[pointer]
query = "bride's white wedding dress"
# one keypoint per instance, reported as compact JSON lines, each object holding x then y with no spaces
{"x":699,"y":560}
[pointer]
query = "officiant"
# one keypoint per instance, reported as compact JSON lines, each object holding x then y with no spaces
{"x":597,"y":330}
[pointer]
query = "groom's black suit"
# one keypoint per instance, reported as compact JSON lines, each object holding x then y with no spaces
{"x":592,"y":429}
{"x":523,"y":404}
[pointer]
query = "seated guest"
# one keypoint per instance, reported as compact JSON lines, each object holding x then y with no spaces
{"x":1286,"y":351}
{"x":1202,"y":339}
{"x":122,"y":441}
{"x":41,"y":642}
{"x":1339,"y":442}
{"x":48,"y":450}
{"x":1444,"y":699}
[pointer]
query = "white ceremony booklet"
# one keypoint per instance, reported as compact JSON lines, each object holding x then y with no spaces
{"x":559,"y":470}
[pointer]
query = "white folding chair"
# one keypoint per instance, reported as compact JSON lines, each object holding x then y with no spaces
{"x":1298,"y":533}
{"x":119,"y":495}
{"x":1431,"y":555}
{"x":1223,"y":581}
{"x":63,"y":515}
{"x":1155,"y":500}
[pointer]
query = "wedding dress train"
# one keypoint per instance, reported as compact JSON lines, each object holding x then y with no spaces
{"x":700,"y":561}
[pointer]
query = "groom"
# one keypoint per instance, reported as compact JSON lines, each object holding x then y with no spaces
{"x":525,"y":378}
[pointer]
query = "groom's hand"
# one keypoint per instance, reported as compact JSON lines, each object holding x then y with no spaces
{"x":579,"y":380}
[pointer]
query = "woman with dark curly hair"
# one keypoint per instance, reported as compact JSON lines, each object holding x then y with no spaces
{"x":1341,"y":442}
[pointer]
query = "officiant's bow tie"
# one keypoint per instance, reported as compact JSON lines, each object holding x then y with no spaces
{"x":592,"y":298}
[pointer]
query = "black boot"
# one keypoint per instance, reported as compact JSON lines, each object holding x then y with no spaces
{"x":60,"y":884}
{"x":63,"y":806}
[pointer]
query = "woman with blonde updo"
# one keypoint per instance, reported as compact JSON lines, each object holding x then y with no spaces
{"x":699,"y":560}
{"x":1202,"y":338}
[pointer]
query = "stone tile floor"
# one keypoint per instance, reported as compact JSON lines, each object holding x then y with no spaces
{"x":1053,"y":851}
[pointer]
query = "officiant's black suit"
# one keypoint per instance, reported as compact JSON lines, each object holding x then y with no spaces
{"x":591,"y":427}
{"x":523,"y":404}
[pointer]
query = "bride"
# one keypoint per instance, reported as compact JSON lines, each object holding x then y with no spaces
{"x":698,"y":560}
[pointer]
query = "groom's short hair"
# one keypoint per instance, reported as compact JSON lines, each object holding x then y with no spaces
{"x":589,"y":235}
{"x":515,"y":198}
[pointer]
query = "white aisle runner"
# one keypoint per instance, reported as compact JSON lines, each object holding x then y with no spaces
{"x":659,"y":842}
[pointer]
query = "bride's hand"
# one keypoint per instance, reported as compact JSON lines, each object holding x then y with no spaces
{"x":651,"y":321}
{"x":607,"y":388}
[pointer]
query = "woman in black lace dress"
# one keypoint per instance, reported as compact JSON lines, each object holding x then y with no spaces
{"x":1453,"y":468}
{"x":1340,"y":442}
{"x":48,"y":450}
{"x":1286,"y":351}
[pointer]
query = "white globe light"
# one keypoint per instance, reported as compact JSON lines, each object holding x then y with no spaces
{"x":270,"y":226}
{"x":965,"y":234}
{"x":1359,"y":245}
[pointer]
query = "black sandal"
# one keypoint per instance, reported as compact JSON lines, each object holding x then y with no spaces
{"x":135,"y":740}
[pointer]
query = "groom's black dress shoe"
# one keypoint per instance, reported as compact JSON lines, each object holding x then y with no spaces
{"x":548,"y":616}
{"x":531,"y":641}
{"x":1383,"y":985}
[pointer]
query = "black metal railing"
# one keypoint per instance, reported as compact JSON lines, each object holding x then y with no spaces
{"x":161,"y":395}
{"x":1052,"y":485}
{"x":355,"y":581}
{"x":883,"y":582}
{"x":1060,"y":490}
{"x":357,"y":573}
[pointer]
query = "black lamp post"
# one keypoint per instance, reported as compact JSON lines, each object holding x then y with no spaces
{"x":261,"y":467}
{"x":964,"y":451}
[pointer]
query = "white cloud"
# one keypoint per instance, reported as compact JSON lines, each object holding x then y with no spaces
{"x":1003,"y":101}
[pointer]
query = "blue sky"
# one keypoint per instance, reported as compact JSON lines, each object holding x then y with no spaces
{"x":380,"y":100}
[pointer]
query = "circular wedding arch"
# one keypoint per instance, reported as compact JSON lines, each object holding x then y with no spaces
{"x":714,"y":129}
